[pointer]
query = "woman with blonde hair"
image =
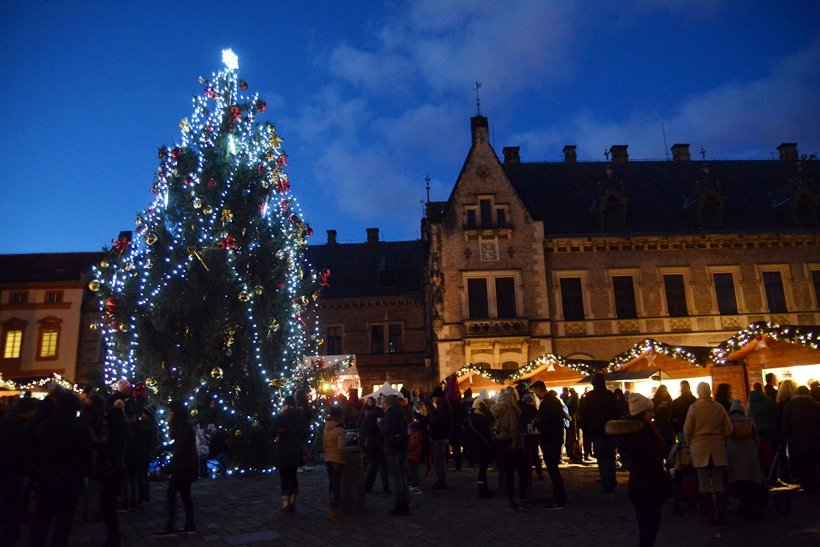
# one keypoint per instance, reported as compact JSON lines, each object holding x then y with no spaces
{"x":706,"y":429}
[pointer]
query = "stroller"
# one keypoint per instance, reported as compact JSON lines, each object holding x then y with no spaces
{"x":683,"y":477}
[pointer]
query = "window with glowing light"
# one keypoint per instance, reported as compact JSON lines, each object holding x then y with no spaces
{"x":12,"y":344}
{"x":48,"y":338}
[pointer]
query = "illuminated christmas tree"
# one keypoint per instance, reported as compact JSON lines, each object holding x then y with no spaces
{"x":211,"y":300}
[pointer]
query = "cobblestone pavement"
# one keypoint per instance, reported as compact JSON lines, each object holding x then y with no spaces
{"x":246,"y":511}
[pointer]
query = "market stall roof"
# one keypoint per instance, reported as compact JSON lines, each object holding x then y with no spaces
{"x":556,"y":371}
{"x":479,"y":377}
{"x":675,"y":361}
{"x":762,"y":335}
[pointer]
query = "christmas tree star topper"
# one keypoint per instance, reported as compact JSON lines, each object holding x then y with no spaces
{"x":230,"y":59}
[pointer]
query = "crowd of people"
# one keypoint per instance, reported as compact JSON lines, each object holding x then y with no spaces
{"x":728,"y":448}
{"x":88,"y":457}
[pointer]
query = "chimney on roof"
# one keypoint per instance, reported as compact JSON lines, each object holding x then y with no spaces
{"x":680,"y":153}
{"x":570,"y":155}
{"x":511,"y":154}
{"x":372,"y":235}
{"x":788,"y":151}
{"x":480,"y":130}
{"x":619,"y":153}
{"x":331,"y":237}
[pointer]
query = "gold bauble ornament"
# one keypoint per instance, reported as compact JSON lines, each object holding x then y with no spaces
{"x":197,"y":203}
{"x":207,"y":209}
{"x":194,"y":412}
{"x":216,"y":372}
{"x":227,"y":215}
{"x":150,"y":239}
{"x":237,"y":434}
{"x":258,"y":289}
{"x":93,"y":326}
{"x":123,"y":327}
{"x":94,"y":285}
{"x":104,"y":264}
{"x":128,"y":266}
{"x":244,"y":297}
{"x":151,"y":382}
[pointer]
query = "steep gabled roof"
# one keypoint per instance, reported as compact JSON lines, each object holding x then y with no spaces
{"x":377,"y":269}
{"x":41,"y":267}
{"x":562,"y":194}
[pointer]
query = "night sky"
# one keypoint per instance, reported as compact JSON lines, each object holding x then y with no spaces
{"x":372,"y":97}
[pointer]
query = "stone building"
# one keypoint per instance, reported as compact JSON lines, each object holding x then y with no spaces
{"x":44,"y":317}
{"x":585,"y":259}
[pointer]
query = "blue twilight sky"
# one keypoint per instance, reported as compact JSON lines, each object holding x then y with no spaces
{"x":371,"y":97}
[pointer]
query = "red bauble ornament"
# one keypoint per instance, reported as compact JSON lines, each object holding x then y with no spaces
{"x":282,"y":185}
{"x":235,"y":113}
{"x":210,"y":93}
{"x":324,"y":277}
{"x":227,"y":243}
{"x":243,"y":85}
{"x":189,"y":180}
{"x":282,"y":161}
{"x":212,"y":184}
{"x":262,"y":106}
{"x":176,"y":153}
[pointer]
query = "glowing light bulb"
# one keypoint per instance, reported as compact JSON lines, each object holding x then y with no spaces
{"x":230,"y":59}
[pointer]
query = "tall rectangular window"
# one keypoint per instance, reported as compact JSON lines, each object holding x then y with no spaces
{"x":624,"y":288}
{"x":377,"y":339}
{"x":12,"y":344}
{"x":486,"y":208}
{"x":775,"y":295}
{"x":394,"y":335}
{"x":54,"y":297}
{"x":815,"y":279}
{"x":48,"y":343}
{"x":675,"y":295}
{"x":572,"y":299}
{"x":505,"y":297}
{"x":333,"y":341}
{"x":18,"y":297}
{"x":477,"y":298}
{"x":501,"y":216}
{"x":725,"y":294}
{"x":471,"y":218}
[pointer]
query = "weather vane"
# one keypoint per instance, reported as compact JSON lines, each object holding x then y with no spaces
{"x":702,"y":152}
{"x":477,"y":98}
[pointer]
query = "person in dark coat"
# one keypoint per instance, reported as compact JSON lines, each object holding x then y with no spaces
{"x":480,"y":421}
{"x":183,"y":468}
{"x":723,"y":395}
{"x":602,"y":407}
{"x":551,"y":420}
{"x":147,"y":435}
{"x":91,"y":415}
{"x":111,"y":448}
{"x":771,"y":386}
{"x":662,"y":408}
{"x":395,"y":448}
{"x":16,"y":464}
{"x":680,"y":407}
{"x":441,"y":423}
{"x":64,"y":447}
{"x":372,"y":442}
{"x":801,"y":428}
{"x":288,"y":452}
{"x":642,"y":450}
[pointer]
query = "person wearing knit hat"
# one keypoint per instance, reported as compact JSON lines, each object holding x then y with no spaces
{"x":642,"y":451}
{"x":638,"y":403}
{"x":706,"y":429}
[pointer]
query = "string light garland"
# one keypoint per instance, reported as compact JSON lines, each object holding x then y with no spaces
{"x":546,"y":359}
{"x":649,"y":345}
{"x":762,"y":329}
{"x":53,"y":380}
